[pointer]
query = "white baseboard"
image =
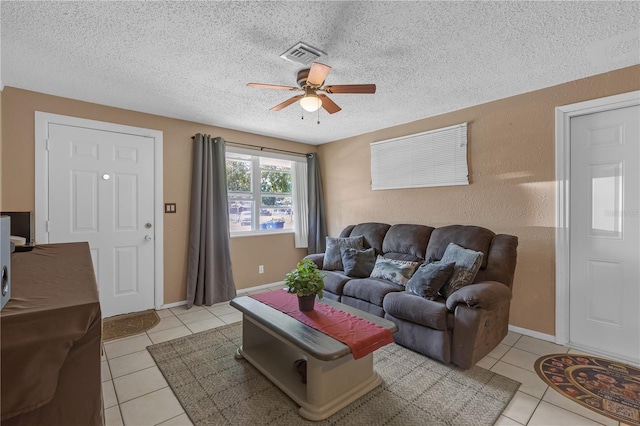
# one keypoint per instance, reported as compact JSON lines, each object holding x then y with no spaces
{"x":259,"y":287}
{"x":174,"y":304}
{"x":240,"y":291}
{"x":532,"y":333}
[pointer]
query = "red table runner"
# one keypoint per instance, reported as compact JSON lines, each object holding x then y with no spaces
{"x":361,"y":335}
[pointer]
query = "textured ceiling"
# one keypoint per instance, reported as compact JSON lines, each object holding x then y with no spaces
{"x":191,"y":60}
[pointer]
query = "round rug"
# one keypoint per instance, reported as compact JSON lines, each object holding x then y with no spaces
{"x":607,"y":387}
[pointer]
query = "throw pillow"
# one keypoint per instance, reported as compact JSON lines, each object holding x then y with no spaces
{"x":429,"y":279}
{"x":358,"y":263}
{"x":467,"y":265}
{"x":332,"y":256}
{"x":396,"y":271}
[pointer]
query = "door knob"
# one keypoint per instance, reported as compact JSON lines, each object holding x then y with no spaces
{"x":148,"y":237}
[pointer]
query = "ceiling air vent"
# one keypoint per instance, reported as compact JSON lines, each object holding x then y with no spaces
{"x":302,"y":54}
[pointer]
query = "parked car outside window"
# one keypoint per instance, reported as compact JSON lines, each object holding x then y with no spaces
{"x":245,"y":218}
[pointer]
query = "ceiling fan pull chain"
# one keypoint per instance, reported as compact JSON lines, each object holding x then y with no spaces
{"x":318,"y":115}
{"x":302,"y":116}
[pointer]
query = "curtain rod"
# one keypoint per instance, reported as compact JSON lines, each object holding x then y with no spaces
{"x":262,"y":148}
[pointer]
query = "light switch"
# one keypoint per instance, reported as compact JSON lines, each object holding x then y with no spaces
{"x":169,"y":207}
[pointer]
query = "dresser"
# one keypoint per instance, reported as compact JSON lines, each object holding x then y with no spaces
{"x":50,"y":334}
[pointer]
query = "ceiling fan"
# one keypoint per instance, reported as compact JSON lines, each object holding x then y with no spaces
{"x":310,"y":81}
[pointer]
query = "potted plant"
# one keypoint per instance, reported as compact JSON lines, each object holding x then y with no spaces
{"x":307,"y":282}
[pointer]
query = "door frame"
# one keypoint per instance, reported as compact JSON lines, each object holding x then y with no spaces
{"x":563,"y":172}
{"x":42,"y":121}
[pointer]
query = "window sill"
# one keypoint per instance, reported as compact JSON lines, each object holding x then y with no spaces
{"x":261,"y":233}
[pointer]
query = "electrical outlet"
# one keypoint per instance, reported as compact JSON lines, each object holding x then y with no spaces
{"x":261,"y":269}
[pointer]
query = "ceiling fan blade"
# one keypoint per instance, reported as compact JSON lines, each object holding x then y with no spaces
{"x":318,"y":73}
{"x":351,"y":88}
{"x":286,"y":103}
{"x":330,"y":106}
{"x":272,"y":86}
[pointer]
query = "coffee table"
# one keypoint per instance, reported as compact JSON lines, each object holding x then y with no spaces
{"x":272,"y":341}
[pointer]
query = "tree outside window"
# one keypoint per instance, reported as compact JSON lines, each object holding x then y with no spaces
{"x":238,"y":176}
{"x":260,"y":193}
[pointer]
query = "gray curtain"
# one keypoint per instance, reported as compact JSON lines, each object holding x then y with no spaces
{"x":317,"y":224}
{"x":209,"y":275}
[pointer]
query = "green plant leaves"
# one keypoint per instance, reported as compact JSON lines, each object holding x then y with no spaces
{"x":306,"y":279}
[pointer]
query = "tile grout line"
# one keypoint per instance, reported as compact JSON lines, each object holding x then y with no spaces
{"x":537,"y":405}
{"x":572,"y":412}
{"x":145,"y":394}
{"x":174,"y":417}
{"x":137,"y":371}
{"x":146,"y":333}
{"x":539,"y":400}
{"x":532,"y":396}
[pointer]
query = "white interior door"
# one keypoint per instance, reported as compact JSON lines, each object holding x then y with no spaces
{"x":101,"y":190}
{"x":604,"y":289}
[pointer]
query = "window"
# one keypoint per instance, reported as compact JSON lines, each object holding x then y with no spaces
{"x":261,"y":191}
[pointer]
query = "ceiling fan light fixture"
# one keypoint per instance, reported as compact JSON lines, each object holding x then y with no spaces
{"x":310,"y":80}
{"x":311,"y":102}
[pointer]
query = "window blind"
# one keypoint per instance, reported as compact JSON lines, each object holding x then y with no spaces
{"x":434,"y":158}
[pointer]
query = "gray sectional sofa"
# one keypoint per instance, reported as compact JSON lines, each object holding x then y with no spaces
{"x":460,"y":329}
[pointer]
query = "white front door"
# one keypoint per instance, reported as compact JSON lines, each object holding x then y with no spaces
{"x":101,"y":190}
{"x":604,"y":289}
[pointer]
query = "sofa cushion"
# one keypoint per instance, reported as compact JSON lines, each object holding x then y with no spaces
{"x":471,"y":237}
{"x":409,"y":307}
{"x":467,"y":262}
{"x":332,"y":256}
{"x":372,"y":290}
{"x":486,"y":295}
{"x":373,"y":234}
{"x":346,"y":231}
{"x":406,"y":242}
{"x":502,"y":257}
{"x":433,"y":343}
{"x":363,"y":306}
{"x":358,"y":263}
{"x":396,"y":271}
{"x":429,"y":279}
{"x":334,"y":281}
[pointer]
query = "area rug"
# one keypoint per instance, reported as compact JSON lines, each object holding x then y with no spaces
{"x":214,"y":388}
{"x":128,"y":324}
{"x":606,"y":387}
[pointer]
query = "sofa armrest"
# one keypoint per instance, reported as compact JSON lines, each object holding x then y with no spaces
{"x":317,"y":258}
{"x":483,"y":295}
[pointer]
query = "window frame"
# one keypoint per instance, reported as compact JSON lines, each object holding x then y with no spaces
{"x":256,"y":194}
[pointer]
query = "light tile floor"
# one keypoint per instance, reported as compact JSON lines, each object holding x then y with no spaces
{"x":136,"y":393}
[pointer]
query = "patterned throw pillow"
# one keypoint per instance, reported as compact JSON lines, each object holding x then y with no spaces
{"x":332,"y":256}
{"x":429,"y":279}
{"x":396,"y":271}
{"x":358,"y":263}
{"x":467,"y":265}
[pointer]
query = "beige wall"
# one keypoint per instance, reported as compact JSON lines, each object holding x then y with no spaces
{"x":511,"y":164}
{"x":511,"y":156}
{"x":275,"y":252}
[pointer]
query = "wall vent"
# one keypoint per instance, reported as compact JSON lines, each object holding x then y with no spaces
{"x":302,"y":54}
